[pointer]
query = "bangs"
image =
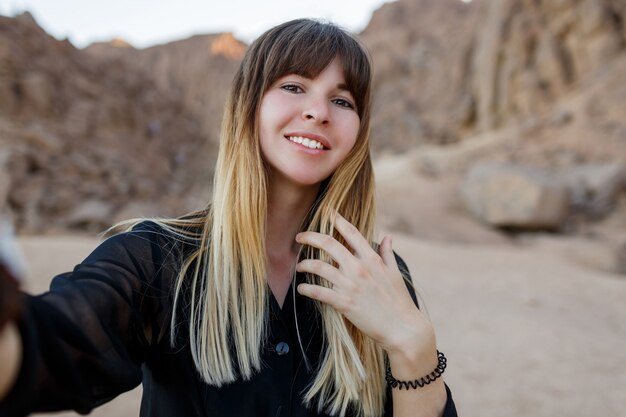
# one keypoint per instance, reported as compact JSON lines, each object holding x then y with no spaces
{"x":308,"y":47}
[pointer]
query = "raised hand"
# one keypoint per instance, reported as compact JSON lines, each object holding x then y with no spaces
{"x":368,"y":289}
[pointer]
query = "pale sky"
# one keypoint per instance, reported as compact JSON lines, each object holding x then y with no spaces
{"x":149,"y":22}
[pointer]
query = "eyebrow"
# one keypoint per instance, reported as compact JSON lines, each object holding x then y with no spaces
{"x":343,"y":87}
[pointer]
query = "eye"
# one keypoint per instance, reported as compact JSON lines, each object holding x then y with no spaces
{"x":341,"y":102}
{"x":292,"y":88}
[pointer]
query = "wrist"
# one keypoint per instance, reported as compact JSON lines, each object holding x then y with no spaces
{"x":418,"y":382}
{"x":411,"y":365}
{"x":414,"y":355}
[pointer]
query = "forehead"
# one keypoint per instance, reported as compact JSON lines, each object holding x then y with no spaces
{"x":334,"y":72}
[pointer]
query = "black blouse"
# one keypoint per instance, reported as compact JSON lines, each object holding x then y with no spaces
{"x":105,"y":327}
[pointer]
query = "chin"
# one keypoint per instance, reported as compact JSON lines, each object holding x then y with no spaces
{"x":305,"y":175}
{"x":306,"y":180}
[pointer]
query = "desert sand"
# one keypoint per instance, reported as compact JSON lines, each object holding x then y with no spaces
{"x":527,"y":331}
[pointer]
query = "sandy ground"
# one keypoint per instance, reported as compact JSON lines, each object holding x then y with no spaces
{"x":527,"y":332}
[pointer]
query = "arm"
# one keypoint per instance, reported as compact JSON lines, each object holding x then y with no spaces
{"x":84,"y":341}
{"x":406,"y":366}
{"x":410,"y":360}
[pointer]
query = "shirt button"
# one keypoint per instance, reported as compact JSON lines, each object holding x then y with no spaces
{"x":282,"y":348}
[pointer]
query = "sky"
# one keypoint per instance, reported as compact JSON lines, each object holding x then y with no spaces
{"x":149,"y":22}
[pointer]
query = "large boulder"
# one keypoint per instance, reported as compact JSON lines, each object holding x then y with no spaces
{"x":594,"y":188}
{"x":428,"y":208}
{"x":515,"y":197}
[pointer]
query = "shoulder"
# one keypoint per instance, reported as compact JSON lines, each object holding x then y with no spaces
{"x":148,"y":249}
{"x":153,"y":238}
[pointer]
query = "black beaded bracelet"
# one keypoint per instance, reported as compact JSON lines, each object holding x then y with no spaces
{"x":441,"y":366}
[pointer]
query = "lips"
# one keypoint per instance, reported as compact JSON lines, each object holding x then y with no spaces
{"x":310,"y":136}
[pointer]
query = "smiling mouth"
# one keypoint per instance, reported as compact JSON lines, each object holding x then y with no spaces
{"x":306,"y":142}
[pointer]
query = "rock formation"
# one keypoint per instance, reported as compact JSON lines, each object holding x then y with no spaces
{"x":196,"y":71}
{"x":515,"y":196}
{"x":446,"y":70}
{"x":98,"y":134}
{"x":77,"y":130}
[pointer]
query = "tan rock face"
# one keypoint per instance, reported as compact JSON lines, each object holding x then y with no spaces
{"x":75,"y":128}
{"x":421,"y":51}
{"x":594,"y":189}
{"x":537,"y":85}
{"x":515,"y":82}
{"x":226,"y":45}
{"x":516,"y":197}
{"x":197,"y":71}
{"x":446,"y":69}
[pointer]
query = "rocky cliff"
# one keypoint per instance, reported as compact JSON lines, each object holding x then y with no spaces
{"x":103,"y":133}
{"x":447,"y":70}
{"x":87,"y":139}
{"x":195,"y":71}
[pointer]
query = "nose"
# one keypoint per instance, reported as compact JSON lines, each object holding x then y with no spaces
{"x":317,"y":111}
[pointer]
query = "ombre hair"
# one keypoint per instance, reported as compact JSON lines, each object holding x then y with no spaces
{"x":226,"y":275}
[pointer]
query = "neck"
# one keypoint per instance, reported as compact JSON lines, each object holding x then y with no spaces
{"x":287,"y":206}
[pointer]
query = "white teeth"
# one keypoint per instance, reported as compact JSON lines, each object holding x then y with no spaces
{"x":309,"y":143}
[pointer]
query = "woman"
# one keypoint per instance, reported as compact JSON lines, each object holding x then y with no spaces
{"x":203,"y":310}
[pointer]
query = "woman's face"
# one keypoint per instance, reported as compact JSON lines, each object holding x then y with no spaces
{"x":307,"y":127}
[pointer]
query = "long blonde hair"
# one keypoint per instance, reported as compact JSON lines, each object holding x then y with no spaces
{"x":226,"y":275}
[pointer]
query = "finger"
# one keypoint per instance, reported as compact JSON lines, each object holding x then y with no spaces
{"x":353,"y":237}
{"x":328,"y":244}
{"x":385,"y":250}
{"x":320,"y":268}
{"x":319,"y":293}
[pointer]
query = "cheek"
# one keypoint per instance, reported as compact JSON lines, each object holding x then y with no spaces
{"x":265,"y":117}
{"x":266,"y":133}
{"x":351,"y":131}
{"x":273,"y":104}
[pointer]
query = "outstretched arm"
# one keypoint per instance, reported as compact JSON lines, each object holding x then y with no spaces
{"x":82,"y":343}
